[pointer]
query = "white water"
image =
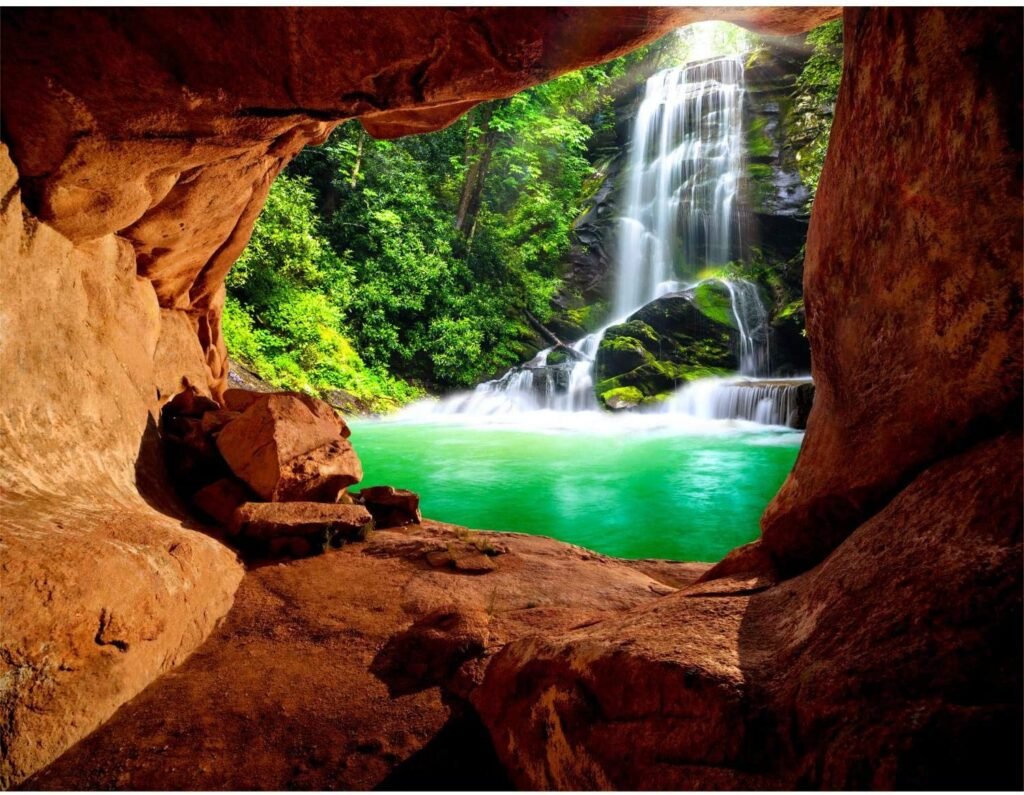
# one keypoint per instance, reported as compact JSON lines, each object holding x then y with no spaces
{"x":679,"y":216}
{"x":685,"y":164}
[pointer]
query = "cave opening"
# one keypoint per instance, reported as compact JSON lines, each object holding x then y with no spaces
{"x":575,"y":312}
{"x":870,"y":638}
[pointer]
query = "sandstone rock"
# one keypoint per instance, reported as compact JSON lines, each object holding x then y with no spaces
{"x":267,"y":520}
{"x":189,"y":403}
{"x":213,"y":421}
{"x":284,"y":451}
{"x":241,"y":399}
{"x":472,"y":561}
{"x":321,"y":475}
{"x":431,"y":650}
{"x":463,"y":556}
{"x":869,"y":671}
{"x":391,"y":507}
{"x":916,"y":334}
{"x":325,"y":412}
{"x":220,"y":499}
{"x":913,"y":315}
{"x":297,"y":646}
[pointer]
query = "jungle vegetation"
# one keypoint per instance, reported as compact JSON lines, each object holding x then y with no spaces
{"x":390,"y":269}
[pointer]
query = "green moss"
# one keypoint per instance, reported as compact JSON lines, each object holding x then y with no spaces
{"x":791,"y":309}
{"x":712,"y":299}
{"x":759,"y":143}
{"x":589,"y":317}
{"x":624,"y":397}
{"x":557,"y":356}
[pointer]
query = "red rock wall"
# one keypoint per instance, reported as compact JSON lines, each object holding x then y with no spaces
{"x":99,"y":592}
{"x":912,"y":279}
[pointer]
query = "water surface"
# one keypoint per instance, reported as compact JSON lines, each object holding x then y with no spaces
{"x":632,"y":486}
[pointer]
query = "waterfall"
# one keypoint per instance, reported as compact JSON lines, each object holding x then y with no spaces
{"x":679,"y":216}
{"x":752,"y":324}
{"x":776,"y":402}
{"x":684,"y":168}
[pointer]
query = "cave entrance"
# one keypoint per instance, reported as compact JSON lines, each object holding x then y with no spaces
{"x":599,"y":277}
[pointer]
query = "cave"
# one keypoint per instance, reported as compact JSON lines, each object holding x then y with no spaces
{"x":871,"y":638}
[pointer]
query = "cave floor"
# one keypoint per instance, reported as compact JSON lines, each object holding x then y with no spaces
{"x":281,"y":695}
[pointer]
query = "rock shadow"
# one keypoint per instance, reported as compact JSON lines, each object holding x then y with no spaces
{"x":460,"y":758}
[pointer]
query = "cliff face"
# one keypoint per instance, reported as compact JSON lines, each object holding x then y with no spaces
{"x":142,"y":144}
{"x":774,"y":199}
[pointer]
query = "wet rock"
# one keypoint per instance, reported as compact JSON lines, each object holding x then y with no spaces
{"x":673,"y":339}
{"x":432,"y":650}
{"x":220,"y":499}
{"x":290,"y":449}
{"x":626,"y":397}
{"x":391,"y":507}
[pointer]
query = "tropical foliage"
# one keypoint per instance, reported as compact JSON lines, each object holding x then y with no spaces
{"x":390,"y":268}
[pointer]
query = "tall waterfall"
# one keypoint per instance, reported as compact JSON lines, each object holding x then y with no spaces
{"x":684,"y":168}
{"x":680,"y":215}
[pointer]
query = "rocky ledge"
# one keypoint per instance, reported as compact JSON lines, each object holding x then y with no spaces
{"x":285,"y":694}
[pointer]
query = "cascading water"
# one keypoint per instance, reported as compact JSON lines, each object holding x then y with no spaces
{"x":685,"y":165}
{"x":680,"y":215}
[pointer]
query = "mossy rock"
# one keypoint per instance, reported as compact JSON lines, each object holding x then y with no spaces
{"x":675,"y":339}
{"x":565,"y":329}
{"x":621,"y":355}
{"x":557,"y":356}
{"x":626,"y":397}
{"x":713,"y":301}
{"x":592,"y":316}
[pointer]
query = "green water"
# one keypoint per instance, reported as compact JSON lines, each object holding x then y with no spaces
{"x":631,"y":493}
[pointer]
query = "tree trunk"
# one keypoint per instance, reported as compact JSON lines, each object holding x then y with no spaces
{"x":359,"y":160}
{"x":478,"y":158}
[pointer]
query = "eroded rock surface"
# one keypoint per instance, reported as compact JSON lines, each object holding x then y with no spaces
{"x":290,"y":448}
{"x":913,"y":275}
{"x":282,"y":697}
{"x":144,"y":142}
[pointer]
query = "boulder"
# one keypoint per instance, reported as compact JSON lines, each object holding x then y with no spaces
{"x":321,"y":475}
{"x":432,"y":650}
{"x":220,"y":499}
{"x":298,"y":528}
{"x":213,"y":421}
{"x":626,"y":397}
{"x":391,"y":507}
{"x":290,"y":448}
{"x":674,"y":339}
{"x":241,"y":399}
